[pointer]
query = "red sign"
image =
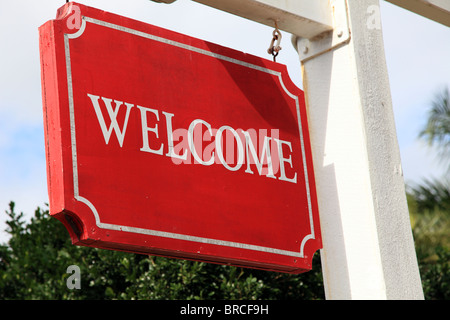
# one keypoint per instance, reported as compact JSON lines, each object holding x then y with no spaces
{"x":163,"y":144}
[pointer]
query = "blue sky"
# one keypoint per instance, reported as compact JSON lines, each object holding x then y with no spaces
{"x":417,"y":55}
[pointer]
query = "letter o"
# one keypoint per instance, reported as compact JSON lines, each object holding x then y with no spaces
{"x":219,"y":151}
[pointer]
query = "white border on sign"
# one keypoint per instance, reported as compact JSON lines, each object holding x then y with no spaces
{"x":171,"y":235}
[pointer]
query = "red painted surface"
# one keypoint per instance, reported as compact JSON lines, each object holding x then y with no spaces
{"x":117,"y":93}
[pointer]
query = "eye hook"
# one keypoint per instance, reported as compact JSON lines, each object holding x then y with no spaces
{"x":275,"y":47}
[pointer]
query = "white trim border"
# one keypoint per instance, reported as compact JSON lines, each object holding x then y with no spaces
{"x":171,"y":235}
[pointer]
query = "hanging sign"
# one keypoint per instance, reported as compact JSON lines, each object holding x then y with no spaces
{"x":163,"y":144}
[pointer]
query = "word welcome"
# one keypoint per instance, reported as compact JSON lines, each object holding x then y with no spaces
{"x":232,"y":148}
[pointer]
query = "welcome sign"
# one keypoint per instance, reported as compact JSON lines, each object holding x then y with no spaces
{"x":163,"y":144}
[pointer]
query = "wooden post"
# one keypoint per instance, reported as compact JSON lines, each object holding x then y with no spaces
{"x":368,"y":245}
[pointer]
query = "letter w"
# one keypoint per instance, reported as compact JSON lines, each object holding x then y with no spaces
{"x":120,"y":134}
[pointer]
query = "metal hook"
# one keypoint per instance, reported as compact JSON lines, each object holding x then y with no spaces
{"x":275,"y":48}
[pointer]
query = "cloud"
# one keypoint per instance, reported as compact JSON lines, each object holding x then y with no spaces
{"x":22,"y":167}
{"x":419,"y":161}
{"x":417,"y":55}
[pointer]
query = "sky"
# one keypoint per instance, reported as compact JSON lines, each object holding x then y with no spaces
{"x":417,"y":55}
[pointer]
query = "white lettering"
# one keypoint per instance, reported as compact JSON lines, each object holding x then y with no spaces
{"x":120,"y":134}
{"x":219,"y":150}
{"x":170,"y":152}
{"x":271,"y":158}
{"x":191,"y":142}
{"x":250,"y":148}
{"x":146,"y":129}
{"x":244,"y":309}
{"x":197,"y":310}
{"x":283,"y":160}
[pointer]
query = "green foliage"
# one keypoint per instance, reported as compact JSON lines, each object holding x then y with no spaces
{"x":432,"y":194}
{"x":436,"y":276}
{"x":437,"y":129}
{"x":431,"y":229}
{"x":33,"y":265}
{"x":429,"y":204}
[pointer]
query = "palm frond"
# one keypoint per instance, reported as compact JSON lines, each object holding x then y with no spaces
{"x":432,"y":194}
{"x":437,"y":128}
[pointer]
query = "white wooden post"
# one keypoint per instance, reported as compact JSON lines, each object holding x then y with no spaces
{"x":368,"y":245}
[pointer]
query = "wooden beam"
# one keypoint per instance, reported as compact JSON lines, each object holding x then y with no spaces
{"x":303,"y":18}
{"x":436,"y":10}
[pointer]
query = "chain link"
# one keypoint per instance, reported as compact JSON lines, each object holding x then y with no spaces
{"x":275,"y":47}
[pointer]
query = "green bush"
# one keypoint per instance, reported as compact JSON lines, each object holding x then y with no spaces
{"x":33,"y":265}
{"x":431,"y":230}
{"x":34,"y":262}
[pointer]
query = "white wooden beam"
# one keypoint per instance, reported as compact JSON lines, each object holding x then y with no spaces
{"x":436,"y":10}
{"x":304,"y":18}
